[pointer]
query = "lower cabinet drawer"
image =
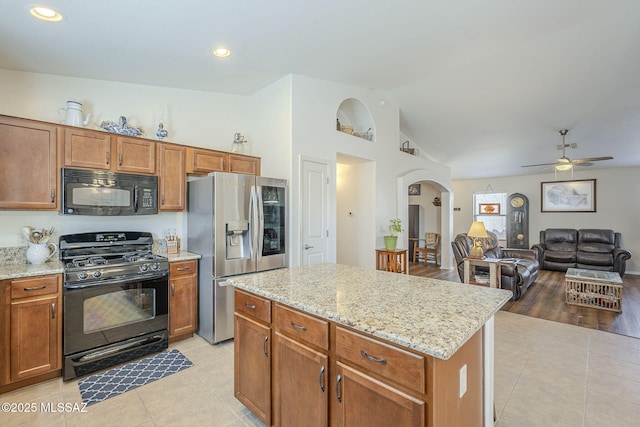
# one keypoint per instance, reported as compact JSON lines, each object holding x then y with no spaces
{"x":393,"y":363}
{"x":34,"y":286}
{"x":302,"y":326}
{"x":253,"y":305}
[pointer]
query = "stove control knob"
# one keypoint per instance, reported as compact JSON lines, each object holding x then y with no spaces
{"x":97,"y":274}
{"x":144,"y":267}
{"x":155,"y":266}
{"x":82,"y":275}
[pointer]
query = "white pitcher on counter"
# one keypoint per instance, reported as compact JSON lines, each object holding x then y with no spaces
{"x":39,"y":253}
{"x":73,"y":114}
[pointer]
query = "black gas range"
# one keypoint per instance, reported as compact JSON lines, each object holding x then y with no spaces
{"x":115,"y":300}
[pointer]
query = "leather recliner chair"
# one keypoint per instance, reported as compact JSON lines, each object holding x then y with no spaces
{"x":516,"y":277}
{"x":591,"y":249}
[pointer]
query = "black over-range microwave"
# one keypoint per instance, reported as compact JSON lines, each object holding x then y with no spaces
{"x":90,"y":192}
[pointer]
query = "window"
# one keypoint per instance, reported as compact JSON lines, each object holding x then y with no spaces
{"x":491,"y":208}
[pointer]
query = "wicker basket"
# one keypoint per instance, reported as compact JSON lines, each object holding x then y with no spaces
{"x":605,"y":296}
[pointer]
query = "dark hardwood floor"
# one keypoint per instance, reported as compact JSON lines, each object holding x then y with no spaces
{"x":545,"y":299}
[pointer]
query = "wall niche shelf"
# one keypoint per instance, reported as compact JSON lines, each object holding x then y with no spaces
{"x":353,"y":118}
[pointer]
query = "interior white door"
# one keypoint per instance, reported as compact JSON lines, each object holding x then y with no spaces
{"x":315,"y":215}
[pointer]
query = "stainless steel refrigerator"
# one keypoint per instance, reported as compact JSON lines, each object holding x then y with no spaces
{"x":238,"y":223}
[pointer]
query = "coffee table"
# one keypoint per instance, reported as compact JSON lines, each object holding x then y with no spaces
{"x":594,"y":288}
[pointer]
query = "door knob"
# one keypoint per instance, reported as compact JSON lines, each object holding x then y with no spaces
{"x":307,"y":246}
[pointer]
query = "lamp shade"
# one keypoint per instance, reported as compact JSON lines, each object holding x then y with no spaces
{"x":477,"y":230}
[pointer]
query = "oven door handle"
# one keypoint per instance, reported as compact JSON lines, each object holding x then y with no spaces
{"x":118,"y":281}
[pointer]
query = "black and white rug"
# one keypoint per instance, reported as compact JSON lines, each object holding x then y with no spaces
{"x":113,"y":382}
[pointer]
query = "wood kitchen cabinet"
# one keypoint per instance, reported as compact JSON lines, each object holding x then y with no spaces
{"x":325,"y":374}
{"x":91,"y":149}
{"x":300,"y":369}
{"x":32,"y":330}
{"x":239,"y":163}
{"x":202,"y":161}
{"x":135,"y":155}
{"x":183,"y":299}
{"x":87,"y":149}
{"x":172,"y":178}
{"x":28,"y":169}
{"x":252,"y":354}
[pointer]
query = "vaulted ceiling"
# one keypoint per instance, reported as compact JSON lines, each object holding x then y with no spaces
{"x":483,"y":86}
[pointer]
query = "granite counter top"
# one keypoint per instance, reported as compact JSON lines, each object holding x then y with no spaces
{"x":180,"y":256}
{"x":14,"y":271}
{"x":431,"y":316}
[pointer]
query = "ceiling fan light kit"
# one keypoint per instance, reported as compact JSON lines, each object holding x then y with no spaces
{"x":566,"y":164}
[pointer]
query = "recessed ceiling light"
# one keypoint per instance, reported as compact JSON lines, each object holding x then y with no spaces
{"x":45,"y":13}
{"x":221,"y":52}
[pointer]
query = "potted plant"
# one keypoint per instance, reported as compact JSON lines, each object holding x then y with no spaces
{"x":395,"y":227}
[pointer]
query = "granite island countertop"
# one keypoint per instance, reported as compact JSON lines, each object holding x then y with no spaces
{"x":434,"y":317}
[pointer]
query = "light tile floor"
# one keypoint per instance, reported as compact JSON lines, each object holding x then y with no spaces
{"x":547,"y":374}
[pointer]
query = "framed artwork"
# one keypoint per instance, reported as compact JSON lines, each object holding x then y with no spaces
{"x":414,"y":190}
{"x":489,"y":209}
{"x":568,"y":196}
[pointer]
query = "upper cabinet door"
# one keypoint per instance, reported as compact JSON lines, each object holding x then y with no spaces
{"x":135,"y":155}
{"x":206,"y":161}
{"x":172,"y":178}
{"x":28,"y":172}
{"x":244,"y":164}
{"x":87,"y":149}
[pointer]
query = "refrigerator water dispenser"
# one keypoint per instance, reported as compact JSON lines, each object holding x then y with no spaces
{"x":238,"y":239}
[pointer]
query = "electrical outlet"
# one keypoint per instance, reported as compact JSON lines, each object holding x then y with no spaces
{"x":463,"y":380}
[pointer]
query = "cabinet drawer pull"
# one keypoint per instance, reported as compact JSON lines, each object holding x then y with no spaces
{"x":35,"y":288}
{"x":53,"y":310}
{"x":373,"y":359}
{"x":183,"y":268}
{"x":296,"y":326}
{"x":120,"y":159}
{"x":53,"y":195}
{"x":338,"y":388}
{"x":265,"y":349}
{"x":108,"y":157}
{"x":250,"y":306}
{"x":321,"y":379}
{"x":173,"y":289}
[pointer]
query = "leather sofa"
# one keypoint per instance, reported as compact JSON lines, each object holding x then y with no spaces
{"x":515,"y":277}
{"x":592,"y":249}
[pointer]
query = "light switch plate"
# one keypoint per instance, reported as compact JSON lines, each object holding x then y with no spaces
{"x":463,"y":380}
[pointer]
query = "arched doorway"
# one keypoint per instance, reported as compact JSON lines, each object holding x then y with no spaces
{"x":445,"y":186}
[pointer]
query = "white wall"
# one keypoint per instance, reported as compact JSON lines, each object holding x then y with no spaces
{"x":192,"y":118}
{"x":291,"y":118}
{"x":430,"y":220}
{"x":355,"y":193}
{"x":617,"y":204}
{"x":315,"y":104}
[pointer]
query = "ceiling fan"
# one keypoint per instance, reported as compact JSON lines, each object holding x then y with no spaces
{"x":564,"y":163}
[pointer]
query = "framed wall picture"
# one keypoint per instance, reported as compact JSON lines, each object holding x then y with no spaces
{"x":489,"y":209}
{"x":414,"y":190}
{"x":568,"y":196}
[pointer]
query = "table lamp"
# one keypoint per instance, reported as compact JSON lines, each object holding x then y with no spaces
{"x":476,"y":231}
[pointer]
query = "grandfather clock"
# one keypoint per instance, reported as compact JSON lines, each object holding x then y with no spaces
{"x":518,"y":221}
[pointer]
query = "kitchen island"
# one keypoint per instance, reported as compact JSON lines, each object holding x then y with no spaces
{"x":343,"y":345}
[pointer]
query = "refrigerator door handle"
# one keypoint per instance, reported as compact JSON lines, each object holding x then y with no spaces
{"x":260,"y":212}
{"x":224,"y":283}
{"x":253,"y":212}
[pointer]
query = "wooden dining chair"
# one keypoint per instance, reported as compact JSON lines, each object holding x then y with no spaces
{"x":430,"y":251}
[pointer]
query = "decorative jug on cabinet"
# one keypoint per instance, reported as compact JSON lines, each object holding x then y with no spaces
{"x":73,"y":114}
{"x":39,"y":253}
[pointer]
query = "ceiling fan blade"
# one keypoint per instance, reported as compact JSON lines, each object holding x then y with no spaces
{"x":540,"y":164}
{"x":583,"y":164}
{"x":591,"y":159}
